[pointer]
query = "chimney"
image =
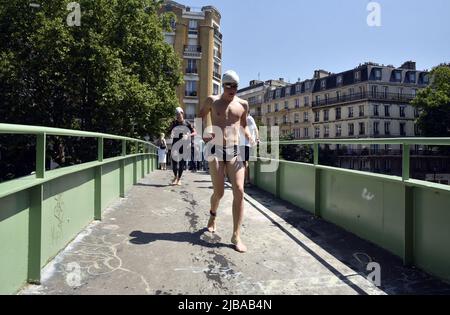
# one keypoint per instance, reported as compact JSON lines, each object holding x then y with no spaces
{"x":319,"y":74}
{"x":409,"y":65}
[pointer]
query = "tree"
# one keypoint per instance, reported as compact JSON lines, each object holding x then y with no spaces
{"x":113,"y":74}
{"x":433,"y":103}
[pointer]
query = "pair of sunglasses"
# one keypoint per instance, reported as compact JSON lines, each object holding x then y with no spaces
{"x":230,"y":86}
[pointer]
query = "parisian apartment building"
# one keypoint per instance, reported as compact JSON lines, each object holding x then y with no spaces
{"x":369,"y":101}
{"x":197,"y":39}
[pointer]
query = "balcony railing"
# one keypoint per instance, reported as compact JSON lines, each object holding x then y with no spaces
{"x":191,"y":93}
{"x":193,"y":50}
{"x":375,"y":96}
{"x":192,"y":70}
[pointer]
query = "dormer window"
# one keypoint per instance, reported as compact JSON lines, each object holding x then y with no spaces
{"x":323,"y":84}
{"x":426,"y":79}
{"x":278,"y":94}
{"x":298,"y":88}
{"x":398,"y":76}
{"x":339,"y":80}
{"x":412,"y":77}
{"x":377,"y":73}
{"x":307,"y":85}
{"x":358,"y":76}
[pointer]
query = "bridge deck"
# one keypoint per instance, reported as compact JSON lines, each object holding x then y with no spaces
{"x":154,"y":242}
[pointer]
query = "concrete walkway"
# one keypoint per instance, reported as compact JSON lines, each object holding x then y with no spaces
{"x":155,"y":242}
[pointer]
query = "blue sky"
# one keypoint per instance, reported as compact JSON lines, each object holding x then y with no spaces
{"x":292,"y":38}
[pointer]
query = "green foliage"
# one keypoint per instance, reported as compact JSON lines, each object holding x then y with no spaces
{"x":113,"y":74}
{"x":296,"y":153}
{"x":433,"y":103}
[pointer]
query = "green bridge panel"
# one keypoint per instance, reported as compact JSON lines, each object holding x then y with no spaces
{"x":432,"y":231}
{"x":14,"y":216}
{"x":267,"y":181}
{"x":64,"y":212}
{"x":297,"y":184}
{"x":366,"y":206}
{"x":110,"y":183}
{"x":128,"y":174}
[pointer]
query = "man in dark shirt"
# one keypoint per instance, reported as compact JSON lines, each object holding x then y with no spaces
{"x":181,"y":132}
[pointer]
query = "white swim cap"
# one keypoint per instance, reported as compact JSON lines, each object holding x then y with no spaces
{"x":179,"y":110}
{"x":230,"y":77}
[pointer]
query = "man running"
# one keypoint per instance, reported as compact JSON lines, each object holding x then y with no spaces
{"x":228,"y":116}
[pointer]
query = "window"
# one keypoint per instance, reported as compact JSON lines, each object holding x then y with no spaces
{"x":338,"y":130}
{"x":287,"y":91}
{"x":377,"y":74}
{"x":351,"y":91}
{"x":412,"y":77}
{"x":323,"y":84}
{"x":297,"y":103}
{"x":361,"y":110}
{"x":374,"y":91}
{"x":376,"y":128}
{"x":351,"y":129}
{"x":298,"y":88}
{"x":350,"y":112}
{"x":357,"y":76}
{"x":326,"y":132}
{"x":275,"y":121}
{"x":338,"y":113}
{"x":285,"y":119}
{"x":216,"y":89}
{"x":326,"y":115}
{"x":306,"y":100}
{"x":361,"y":91}
{"x":400,"y":92}
{"x":305,"y":116}
{"x":306,"y":132}
{"x":317,"y":132}
{"x":402,"y":111}
{"x":362,"y":129}
{"x":338,"y":95}
{"x":339,"y":80}
{"x":414,"y":92}
{"x":297,"y":133}
{"x":278,"y":93}
{"x":191,"y":66}
{"x":385,"y":91}
{"x":416,"y":130}
{"x":387,"y":112}
{"x":327,"y":96}
{"x":398,"y":76}
{"x":376,"y":110}
{"x":317,"y":116}
{"x":193,"y":27}
{"x":387,"y":128}
{"x":276,"y":107}
{"x":307,"y":85}
{"x":318,"y":99}
{"x":296,"y":118}
{"x":416,"y":112}
{"x":402,"y":129}
{"x":268,"y":108}
{"x":191,"y":88}
{"x":286,"y":105}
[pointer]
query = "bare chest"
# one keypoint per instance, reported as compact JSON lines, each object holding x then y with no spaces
{"x":228,"y":113}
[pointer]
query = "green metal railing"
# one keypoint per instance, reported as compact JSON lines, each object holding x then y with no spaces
{"x":34,"y":184}
{"x":408,"y":217}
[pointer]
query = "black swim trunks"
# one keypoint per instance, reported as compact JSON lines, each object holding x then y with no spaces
{"x":225,"y":154}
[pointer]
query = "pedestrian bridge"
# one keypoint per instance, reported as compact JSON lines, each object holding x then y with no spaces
{"x":116,"y":226}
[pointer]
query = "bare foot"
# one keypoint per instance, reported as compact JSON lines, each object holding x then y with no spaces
{"x":212,"y":227}
{"x":179,"y":182}
{"x":175,"y":180}
{"x":238,"y":245}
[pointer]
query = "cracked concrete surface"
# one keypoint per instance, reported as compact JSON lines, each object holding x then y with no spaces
{"x":155,"y":242}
